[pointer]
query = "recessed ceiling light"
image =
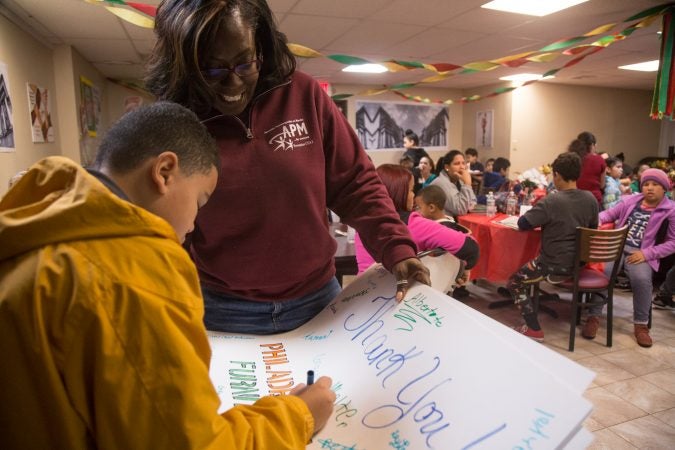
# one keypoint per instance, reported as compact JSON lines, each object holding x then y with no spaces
{"x":365,"y":68}
{"x":523,"y":77}
{"x":647,"y":66}
{"x":531,"y":7}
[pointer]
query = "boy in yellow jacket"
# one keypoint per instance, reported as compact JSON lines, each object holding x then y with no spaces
{"x":101,"y":336}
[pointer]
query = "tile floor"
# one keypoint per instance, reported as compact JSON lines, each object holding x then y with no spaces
{"x":634,"y":391}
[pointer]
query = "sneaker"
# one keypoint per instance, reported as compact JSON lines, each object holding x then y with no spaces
{"x":642,"y":335}
{"x":662,"y":302}
{"x":590,"y":328}
{"x":460,"y":292}
{"x":537,"y":335}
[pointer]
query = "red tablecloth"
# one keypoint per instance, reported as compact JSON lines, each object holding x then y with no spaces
{"x":503,"y":250}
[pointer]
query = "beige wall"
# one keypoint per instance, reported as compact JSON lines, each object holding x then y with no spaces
{"x":501,"y":133}
{"x":547,"y":117}
{"x":27,"y":61}
{"x":59,"y":71}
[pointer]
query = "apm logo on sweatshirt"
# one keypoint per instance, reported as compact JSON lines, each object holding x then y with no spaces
{"x":289,"y":135}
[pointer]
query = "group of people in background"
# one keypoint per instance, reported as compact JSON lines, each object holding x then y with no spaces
{"x":111,"y":275}
{"x":103,"y":314}
{"x":588,"y":190}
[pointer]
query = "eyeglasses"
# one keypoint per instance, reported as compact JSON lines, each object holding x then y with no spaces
{"x":241,"y":70}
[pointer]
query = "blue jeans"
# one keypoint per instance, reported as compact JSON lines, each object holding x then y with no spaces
{"x":237,"y":315}
{"x":640,"y":276}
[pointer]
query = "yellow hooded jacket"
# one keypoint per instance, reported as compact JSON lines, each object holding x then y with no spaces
{"x":101,"y":337}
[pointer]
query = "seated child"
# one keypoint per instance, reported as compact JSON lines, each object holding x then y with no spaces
{"x":101,"y":332}
{"x":650,"y":217}
{"x":613,"y":188}
{"x":489,"y":165}
{"x":498,"y":182}
{"x":427,"y":234}
{"x":558,"y":214}
{"x":473,"y":165}
{"x":637,"y":173}
{"x":497,"y":179}
{"x":430,"y":202}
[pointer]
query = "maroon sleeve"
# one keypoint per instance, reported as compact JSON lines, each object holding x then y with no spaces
{"x":354,"y":190}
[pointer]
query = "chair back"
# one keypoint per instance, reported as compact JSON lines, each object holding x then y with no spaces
{"x":443,"y":268}
{"x":600,"y":245}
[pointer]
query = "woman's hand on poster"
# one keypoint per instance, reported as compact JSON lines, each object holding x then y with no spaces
{"x":406,"y":272}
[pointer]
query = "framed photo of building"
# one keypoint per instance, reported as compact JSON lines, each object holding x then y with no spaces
{"x":6,"y":126}
{"x":382,"y":125}
{"x":484,"y":128}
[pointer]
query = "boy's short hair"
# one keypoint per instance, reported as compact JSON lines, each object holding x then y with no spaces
{"x":433,"y":195}
{"x":150,"y":130}
{"x":501,"y":163}
{"x":568,"y":166}
{"x":471,"y":152}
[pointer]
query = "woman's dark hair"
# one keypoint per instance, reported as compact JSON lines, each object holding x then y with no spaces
{"x":397,"y":181}
{"x":587,"y":138}
{"x":410,"y":134}
{"x":440,"y":163}
{"x":186,"y":32}
{"x":578,"y":147}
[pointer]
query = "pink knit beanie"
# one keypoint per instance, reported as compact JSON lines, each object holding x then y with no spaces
{"x":656,"y":175}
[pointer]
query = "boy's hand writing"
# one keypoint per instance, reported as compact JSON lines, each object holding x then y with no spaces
{"x":319,"y":399}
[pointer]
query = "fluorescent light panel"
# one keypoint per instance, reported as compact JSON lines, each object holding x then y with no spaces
{"x":365,"y":68}
{"x":531,"y":7}
{"x":523,"y":77}
{"x":647,"y":66}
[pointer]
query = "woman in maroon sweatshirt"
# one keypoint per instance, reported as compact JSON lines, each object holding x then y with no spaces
{"x":261,"y":245}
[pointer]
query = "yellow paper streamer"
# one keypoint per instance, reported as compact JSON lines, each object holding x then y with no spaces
{"x":302,"y":51}
{"x":132,"y":17}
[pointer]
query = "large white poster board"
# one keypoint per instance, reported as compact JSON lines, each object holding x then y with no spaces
{"x":428,"y":373}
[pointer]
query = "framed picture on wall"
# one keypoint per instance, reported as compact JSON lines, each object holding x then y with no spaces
{"x":382,"y":125}
{"x":484,"y":124}
{"x":40,"y":113}
{"x":6,"y":127}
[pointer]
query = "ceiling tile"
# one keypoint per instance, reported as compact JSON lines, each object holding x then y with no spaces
{"x":314,"y":31}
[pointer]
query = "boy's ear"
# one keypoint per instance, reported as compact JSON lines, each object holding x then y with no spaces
{"x":164,"y":170}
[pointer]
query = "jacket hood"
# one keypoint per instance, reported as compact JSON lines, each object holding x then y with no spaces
{"x":58,"y":201}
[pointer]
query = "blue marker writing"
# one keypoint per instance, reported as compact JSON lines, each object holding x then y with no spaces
{"x":310,"y":377}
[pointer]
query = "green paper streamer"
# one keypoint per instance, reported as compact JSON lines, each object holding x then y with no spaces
{"x":348,"y":60}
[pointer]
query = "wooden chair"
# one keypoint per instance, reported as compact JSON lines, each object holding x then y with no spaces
{"x":593,"y":245}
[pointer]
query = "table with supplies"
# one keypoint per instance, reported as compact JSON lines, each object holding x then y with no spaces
{"x":503,"y":249}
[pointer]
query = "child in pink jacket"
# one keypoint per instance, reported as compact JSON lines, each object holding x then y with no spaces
{"x":427,"y":234}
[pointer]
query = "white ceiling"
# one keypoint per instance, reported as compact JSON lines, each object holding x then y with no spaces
{"x":432,"y":31}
